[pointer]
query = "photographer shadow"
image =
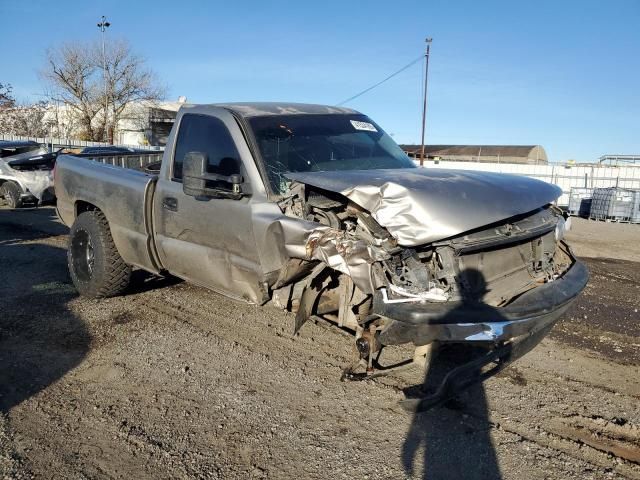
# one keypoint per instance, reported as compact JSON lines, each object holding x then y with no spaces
{"x":450,"y":438}
{"x":41,"y":339}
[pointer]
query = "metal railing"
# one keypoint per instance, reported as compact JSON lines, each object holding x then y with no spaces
{"x":135,"y":161}
{"x":54,"y":142}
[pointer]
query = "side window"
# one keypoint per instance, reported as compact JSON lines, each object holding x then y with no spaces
{"x":209,"y":135}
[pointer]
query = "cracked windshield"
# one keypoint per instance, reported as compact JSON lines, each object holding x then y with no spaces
{"x":313,"y":143}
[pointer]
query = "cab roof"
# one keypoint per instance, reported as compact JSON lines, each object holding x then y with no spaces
{"x":259,"y":109}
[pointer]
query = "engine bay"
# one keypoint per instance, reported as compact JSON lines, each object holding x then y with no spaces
{"x":493,"y":264}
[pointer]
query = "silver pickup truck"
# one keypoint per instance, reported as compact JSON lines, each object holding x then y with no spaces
{"x":317,"y":210}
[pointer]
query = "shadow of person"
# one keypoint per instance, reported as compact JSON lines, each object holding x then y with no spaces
{"x":452,"y":439}
{"x":40,"y":338}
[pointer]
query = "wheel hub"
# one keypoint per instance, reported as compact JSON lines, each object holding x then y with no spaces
{"x":83,"y":255}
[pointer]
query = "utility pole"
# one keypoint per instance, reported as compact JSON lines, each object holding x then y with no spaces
{"x":424,"y":105}
{"x":103,"y":25}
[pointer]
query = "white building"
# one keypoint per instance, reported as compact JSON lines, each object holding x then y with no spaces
{"x":141,"y":124}
{"x":147,"y":123}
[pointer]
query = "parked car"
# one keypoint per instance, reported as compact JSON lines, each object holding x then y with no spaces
{"x":11,"y":148}
{"x":25,"y":173}
{"x":318,"y":210}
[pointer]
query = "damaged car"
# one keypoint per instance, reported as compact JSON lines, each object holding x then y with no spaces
{"x":26,"y":176}
{"x":317,"y":210}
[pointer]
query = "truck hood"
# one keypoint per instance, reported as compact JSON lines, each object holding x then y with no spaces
{"x":423,"y":205}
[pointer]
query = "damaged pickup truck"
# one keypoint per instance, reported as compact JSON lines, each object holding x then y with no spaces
{"x":317,"y":210}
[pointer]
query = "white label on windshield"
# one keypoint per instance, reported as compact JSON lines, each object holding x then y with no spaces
{"x":363,"y":126}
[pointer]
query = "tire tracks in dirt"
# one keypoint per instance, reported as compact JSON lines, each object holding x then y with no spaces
{"x":594,"y":441}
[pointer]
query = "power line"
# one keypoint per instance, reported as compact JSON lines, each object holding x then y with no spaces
{"x":413,"y":62}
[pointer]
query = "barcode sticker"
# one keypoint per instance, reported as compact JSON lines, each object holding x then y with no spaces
{"x":363,"y":126}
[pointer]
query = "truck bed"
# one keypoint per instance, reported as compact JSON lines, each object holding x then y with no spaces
{"x":124,"y":195}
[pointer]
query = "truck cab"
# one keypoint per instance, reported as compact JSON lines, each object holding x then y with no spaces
{"x":214,"y":244}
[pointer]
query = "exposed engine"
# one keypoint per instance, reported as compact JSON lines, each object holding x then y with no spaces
{"x":494,"y":264}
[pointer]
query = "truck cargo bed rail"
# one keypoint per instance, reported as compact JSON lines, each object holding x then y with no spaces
{"x":136,"y":161}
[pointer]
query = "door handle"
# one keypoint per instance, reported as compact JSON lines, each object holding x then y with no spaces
{"x":170,"y":203}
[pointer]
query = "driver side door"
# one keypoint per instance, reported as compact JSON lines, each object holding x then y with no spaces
{"x":207,"y":240}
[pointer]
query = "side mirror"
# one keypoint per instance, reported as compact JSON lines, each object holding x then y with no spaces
{"x":195,"y":177}
{"x":194,"y":169}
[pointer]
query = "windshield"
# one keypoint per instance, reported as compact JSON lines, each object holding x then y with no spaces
{"x":314,"y":143}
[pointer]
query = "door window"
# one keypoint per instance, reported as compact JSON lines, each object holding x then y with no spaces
{"x":209,"y":135}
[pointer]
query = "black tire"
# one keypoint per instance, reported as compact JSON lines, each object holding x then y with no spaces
{"x":97,"y":269}
{"x":11,"y":192}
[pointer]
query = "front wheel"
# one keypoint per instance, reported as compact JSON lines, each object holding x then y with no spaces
{"x":97,"y":269}
{"x":11,"y":192}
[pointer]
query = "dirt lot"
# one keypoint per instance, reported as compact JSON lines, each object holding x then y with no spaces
{"x":173,"y":381}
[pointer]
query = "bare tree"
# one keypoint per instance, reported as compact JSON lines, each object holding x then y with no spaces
{"x":129,"y":82}
{"x":24,"y":120}
{"x":20,"y":119}
{"x":6,"y":97}
{"x":76,"y":76}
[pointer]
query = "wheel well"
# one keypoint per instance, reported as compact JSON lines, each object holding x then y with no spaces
{"x":82,"y":207}
{"x":8,"y":180}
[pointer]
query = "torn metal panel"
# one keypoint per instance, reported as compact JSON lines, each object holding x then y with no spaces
{"x":313,"y":287}
{"x":278,"y":237}
{"x":282,"y":238}
{"x":419,"y":206}
{"x":349,"y":256}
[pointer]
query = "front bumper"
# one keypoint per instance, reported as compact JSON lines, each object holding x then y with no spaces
{"x":28,"y":197}
{"x":47,"y":196}
{"x":423,"y":323}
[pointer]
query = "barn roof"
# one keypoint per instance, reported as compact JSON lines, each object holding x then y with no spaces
{"x":532,"y":152}
{"x":483,"y":150}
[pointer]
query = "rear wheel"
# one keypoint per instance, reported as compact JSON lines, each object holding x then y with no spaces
{"x":11,"y":192}
{"x":97,"y":269}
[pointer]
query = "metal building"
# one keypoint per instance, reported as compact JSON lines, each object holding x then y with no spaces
{"x":523,"y":154}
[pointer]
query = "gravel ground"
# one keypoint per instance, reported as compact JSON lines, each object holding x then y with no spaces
{"x":596,"y":239}
{"x":173,"y":381}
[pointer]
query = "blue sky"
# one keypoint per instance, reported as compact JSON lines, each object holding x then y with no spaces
{"x":563,"y":74}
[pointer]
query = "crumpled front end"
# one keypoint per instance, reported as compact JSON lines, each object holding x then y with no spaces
{"x":491,"y":283}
